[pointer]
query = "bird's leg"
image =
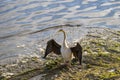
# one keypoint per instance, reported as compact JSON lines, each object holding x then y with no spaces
{"x":68,"y":63}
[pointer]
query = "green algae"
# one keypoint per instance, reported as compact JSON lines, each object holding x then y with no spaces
{"x":96,"y":66}
{"x":102,"y":62}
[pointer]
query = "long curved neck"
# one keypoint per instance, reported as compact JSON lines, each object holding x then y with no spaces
{"x":64,"y":40}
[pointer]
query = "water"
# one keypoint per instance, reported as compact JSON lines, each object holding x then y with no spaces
{"x":26,"y":25}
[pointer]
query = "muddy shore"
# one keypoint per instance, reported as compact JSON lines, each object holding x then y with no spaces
{"x":101,"y":60}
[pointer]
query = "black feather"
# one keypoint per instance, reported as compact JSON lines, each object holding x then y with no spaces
{"x":53,"y":46}
{"x":77,"y":52}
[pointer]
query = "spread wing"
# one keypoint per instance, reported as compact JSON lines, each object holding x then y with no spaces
{"x":77,"y":52}
{"x":52,"y":46}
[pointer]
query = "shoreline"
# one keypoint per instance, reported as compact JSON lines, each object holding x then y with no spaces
{"x":101,"y":62}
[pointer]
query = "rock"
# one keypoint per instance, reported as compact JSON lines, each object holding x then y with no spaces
{"x":7,"y":74}
{"x":38,"y":77}
{"x":111,"y":70}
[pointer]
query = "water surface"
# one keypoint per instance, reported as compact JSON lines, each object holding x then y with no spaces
{"x":26,"y":25}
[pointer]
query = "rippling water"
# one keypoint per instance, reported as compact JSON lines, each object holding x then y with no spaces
{"x":26,"y":25}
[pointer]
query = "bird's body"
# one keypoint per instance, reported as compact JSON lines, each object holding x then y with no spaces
{"x":66,"y":53}
{"x":65,"y":50}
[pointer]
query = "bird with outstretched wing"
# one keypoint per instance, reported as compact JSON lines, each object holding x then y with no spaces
{"x":53,"y":46}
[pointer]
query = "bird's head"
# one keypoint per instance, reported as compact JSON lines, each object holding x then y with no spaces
{"x":61,"y":30}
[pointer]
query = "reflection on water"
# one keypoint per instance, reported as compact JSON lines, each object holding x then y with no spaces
{"x":19,"y":18}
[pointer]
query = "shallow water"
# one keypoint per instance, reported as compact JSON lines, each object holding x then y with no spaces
{"x":26,"y":25}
